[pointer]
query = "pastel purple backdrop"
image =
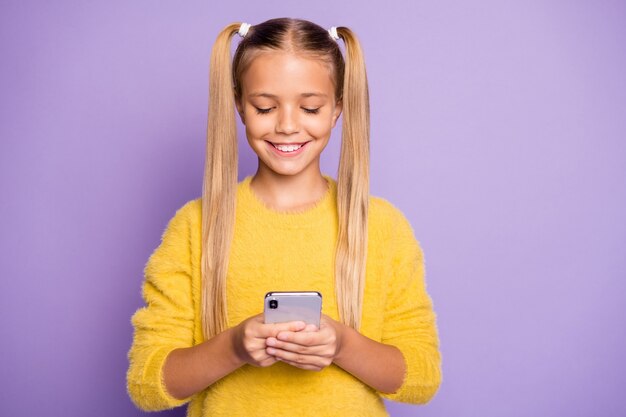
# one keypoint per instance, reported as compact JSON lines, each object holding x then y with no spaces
{"x":498,"y":128}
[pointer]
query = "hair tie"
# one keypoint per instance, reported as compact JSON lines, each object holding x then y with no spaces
{"x":243,"y":29}
{"x":333,"y":33}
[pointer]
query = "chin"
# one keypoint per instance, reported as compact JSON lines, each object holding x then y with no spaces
{"x":287,"y":172}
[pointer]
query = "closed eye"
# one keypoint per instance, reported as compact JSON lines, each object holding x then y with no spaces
{"x":311,"y":111}
{"x":262,"y":111}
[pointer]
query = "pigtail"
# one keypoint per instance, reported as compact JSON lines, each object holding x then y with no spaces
{"x":219,"y":186}
{"x":352,"y":185}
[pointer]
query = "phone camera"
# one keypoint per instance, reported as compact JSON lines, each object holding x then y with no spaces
{"x":273,"y":304}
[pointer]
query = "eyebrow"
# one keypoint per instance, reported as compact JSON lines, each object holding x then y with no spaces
{"x":268,"y":95}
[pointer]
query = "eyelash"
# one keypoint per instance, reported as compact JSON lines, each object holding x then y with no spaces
{"x":307,"y":111}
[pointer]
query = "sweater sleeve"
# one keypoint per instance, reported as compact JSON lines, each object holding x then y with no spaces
{"x":166,"y":321}
{"x":409,"y":319}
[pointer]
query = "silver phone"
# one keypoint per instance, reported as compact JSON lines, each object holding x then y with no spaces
{"x":283,"y":306}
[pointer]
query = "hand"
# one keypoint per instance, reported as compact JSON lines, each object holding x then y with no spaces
{"x":311,"y":349}
{"x":249,"y":336}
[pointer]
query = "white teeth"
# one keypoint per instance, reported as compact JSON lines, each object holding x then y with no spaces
{"x":287,"y":148}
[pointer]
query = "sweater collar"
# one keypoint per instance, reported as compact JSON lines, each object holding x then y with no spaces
{"x":249,"y":205}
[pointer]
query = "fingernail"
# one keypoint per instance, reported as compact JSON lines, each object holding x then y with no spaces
{"x":271,"y":341}
{"x":271,"y":351}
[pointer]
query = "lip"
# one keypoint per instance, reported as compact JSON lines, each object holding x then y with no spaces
{"x":287,"y":154}
{"x":287,"y":143}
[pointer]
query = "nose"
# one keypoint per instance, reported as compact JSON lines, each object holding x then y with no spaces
{"x":287,"y":121}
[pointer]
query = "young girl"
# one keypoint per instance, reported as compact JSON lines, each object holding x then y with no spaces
{"x":201,"y":338}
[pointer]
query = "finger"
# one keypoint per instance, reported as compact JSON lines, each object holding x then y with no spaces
{"x":272,"y":329}
{"x":303,"y":366}
{"x":272,"y":342}
{"x":310,"y":328}
{"x":261,"y":356}
{"x":268,"y":362}
{"x":297,"y":359}
{"x":304,"y":338}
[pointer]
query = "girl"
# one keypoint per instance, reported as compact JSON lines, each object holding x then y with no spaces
{"x":201,"y":338}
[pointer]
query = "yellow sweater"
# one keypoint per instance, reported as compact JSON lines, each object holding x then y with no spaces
{"x":275,"y":251}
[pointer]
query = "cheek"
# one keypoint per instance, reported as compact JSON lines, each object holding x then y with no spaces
{"x":257,"y":126}
{"x":319,"y":127}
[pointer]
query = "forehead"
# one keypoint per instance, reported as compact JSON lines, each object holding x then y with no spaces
{"x":285,"y":73}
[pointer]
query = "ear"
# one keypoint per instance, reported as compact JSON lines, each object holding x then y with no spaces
{"x":337,"y":112}
{"x":239,"y":106}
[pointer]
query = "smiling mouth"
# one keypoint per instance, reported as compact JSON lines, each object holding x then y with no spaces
{"x":288,"y":147}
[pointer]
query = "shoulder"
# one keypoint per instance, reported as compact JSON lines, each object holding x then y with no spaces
{"x":191,"y":209}
{"x":173,"y":253}
{"x":188,"y":216}
{"x":384,"y":214}
{"x":390,"y":227}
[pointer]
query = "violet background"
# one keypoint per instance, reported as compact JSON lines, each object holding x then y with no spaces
{"x":498,"y":128}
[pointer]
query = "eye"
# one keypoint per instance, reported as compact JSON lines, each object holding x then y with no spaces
{"x":262,"y":111}
{"x":311,"y":111}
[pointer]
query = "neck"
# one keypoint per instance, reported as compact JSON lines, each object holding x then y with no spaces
{"x":289,"y":192}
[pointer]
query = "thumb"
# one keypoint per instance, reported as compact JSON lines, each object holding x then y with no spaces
{"x":310,"y":328}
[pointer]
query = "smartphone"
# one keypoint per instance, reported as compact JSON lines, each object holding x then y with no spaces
{"x":283,"y":306}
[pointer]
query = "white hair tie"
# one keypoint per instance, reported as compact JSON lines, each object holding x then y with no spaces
{"x":333,"y":33}
{"x":243,"y":29}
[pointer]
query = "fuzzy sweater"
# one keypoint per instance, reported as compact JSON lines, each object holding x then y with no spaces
{"x":278,"y":251}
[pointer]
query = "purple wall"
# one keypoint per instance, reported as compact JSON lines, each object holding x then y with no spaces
{"x":497,"y":127}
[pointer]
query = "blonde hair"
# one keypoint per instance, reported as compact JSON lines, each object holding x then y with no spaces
{"x":220,"y":172}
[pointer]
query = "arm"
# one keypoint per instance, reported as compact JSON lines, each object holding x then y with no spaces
{"x":190,"y":370}
{"x":378,"y":365}
{"x":165,"y":368}
{"x":166,"y":322}
{"x":409,"y":321}
{"x":406,"y":365}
